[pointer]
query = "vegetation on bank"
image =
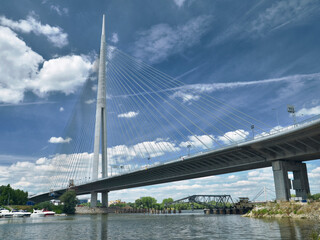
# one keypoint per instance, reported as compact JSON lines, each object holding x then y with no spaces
{"x":17,"y":199}
{"x":69,"y":200}
{"x":10,"y":196}
{"x":308,"y":210}
{"x":150,"y":202}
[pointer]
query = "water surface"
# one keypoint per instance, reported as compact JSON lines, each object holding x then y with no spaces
{"x":140,"y":226}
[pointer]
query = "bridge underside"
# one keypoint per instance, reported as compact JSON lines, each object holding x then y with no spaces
{"x":299,"y":144}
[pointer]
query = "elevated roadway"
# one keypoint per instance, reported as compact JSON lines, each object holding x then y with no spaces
{"x":284,"y":150}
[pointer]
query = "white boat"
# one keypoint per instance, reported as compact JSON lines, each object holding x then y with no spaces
{"x":48,"y":213}
{"x":6,"y":213}
{"x":21,"y":213}
{"x":37,"y":213}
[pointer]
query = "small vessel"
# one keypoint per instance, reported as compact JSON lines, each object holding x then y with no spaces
{"x":21,"y":213}
{"x":48,"y":213}
{"x":37,"y":213}
{"x":6,"y":213}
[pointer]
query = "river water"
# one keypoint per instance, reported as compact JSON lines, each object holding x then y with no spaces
{"x":194,"y":225}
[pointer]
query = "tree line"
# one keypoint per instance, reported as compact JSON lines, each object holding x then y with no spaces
{"x":150,"y":202}
{"x":10,"y":196}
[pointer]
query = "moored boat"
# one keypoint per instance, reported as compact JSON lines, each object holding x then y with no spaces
{"x":37,"y":213}
{"x":6,"y":213}
{"x":21,"y":213}
{"x":48,"y":213}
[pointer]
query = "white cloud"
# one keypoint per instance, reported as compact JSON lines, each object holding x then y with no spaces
{"x":64,"y":74}
{"x":211,"y":87}
{"x":60,"y":11}
{"x":54,"y":34}
{"x":130,"y":114}
{"x":114,"y":38}
{"x":161,"y":41}
{"x":282,"y":13}
{"x":179,"y":3}
{"x":234,"y":136}
{"x":122,"y":153}
{"x":309,"y":111}
{"x":186,"y":97}
{"x":61,"y":109}
{"x":202,"y":141}
{"x":19,"y":71}
{"x":59,"y":140}
{"x":90,"y":101}
{"x":18,"y":63}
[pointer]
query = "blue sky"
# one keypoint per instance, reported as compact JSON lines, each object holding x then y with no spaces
{"x":257,"y":56}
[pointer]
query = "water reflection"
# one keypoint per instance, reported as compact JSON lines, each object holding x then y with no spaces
{"x":294,"y":228}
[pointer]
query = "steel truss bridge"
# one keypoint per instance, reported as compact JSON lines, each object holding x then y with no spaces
{"x":210,"y":201}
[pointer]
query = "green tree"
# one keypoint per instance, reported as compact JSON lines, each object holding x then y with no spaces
{"x":11,"y":196}
{"x":166,"y":200}
{"x":69,"y":199}
{"x":138,"y":203}
{"x":148,"y":202}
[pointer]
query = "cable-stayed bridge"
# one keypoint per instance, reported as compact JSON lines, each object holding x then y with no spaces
{"x":140,"y":127}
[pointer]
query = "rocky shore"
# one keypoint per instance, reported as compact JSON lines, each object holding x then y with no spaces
{"x":298,"y":210}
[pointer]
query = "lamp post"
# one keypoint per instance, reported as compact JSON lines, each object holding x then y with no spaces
{"x":189,"y":146}
{"x":291,"y":110}
{"x":252,"y":128}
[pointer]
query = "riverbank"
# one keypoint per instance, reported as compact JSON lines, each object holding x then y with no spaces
{"x":295,"y":210}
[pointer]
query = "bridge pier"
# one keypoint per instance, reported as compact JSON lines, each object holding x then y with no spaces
{"x":282,"y":183}
{"x":94,"y":199}
{"x":104,"y":199}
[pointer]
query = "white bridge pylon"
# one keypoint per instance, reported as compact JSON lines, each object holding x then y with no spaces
{"x":100,"y":136}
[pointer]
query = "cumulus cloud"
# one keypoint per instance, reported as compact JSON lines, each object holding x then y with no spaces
{"x":59,"y":140}
{"x":309,"y":111}
{"x":45,"y":173}
{"x":64,"y":74}
{"x":130,"y":114}
{"x":146,"y":149}
{"x":61,"y":109}
{"x":234,"y":136}
{"x":18,"y":64}
{"x":199,"y":141}
{"x":55,"y":35}
{"x":161,"y":41}
{"x":21,"y":70}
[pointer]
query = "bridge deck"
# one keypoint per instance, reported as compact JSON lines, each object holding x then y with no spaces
{"x":301,"y":143}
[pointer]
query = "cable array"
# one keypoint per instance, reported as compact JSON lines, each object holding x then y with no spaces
{"x":152,"y":118}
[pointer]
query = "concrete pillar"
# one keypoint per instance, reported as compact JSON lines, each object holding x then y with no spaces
{"x":104,"y":199}
{"x":281,"y":180}
{"x":301,"y":183}
{"x":94,"y":199}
